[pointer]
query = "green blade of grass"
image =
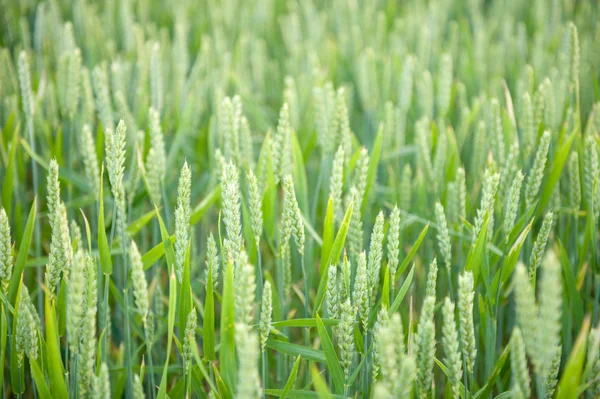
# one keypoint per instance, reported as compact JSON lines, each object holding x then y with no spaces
{"x":55,"y":366}
{"x":568,"y":386}
{"x":296,"y":350}
{"x":162,"y":390}
{"x":227,"y":350}
{"x":291,"y":379}
{"x":9,"y":174}
{"x":333,"y":364}
{"x":22,"y":256}
{"x":327,"y":234}
{"x":103,"y":247}
{"x":403,"y":290}
{"x":334,"y":256}
{"x":411,"y":253}
{"x":208,"y":328}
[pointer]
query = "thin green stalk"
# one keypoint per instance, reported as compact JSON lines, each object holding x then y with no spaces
{"x":264,"y":372}
{"x":38,"y":233}
{"x":150,"y":361}
{"x":129,"y":385}
{"x":104,"y":318}
{"x":306,"y":310}
{"x":259,"y":277}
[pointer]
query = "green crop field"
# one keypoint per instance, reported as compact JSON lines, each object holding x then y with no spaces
{"x":299,"y":199}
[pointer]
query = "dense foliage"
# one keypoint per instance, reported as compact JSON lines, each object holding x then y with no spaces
{"x":240,"y":199}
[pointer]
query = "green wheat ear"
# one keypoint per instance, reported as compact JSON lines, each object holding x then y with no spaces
{"x":6,"y":260}
{"x":182,"y":218}
{"x":266,"y":314}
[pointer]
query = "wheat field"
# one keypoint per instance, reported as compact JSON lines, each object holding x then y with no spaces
{"x":299,"y":199}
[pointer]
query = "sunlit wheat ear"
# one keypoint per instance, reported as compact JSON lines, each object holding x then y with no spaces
{"x":336,"y":183}
{"x":380,"y":323}
{"x":465,"y":312}
{"x":512,"y":205}
{"x":282,"y":145}
{"x":212,"y":260}
{"x":590,"y":169}
{"x":26,"y":335}
{"x":101,"y":384}
{"x":393,"y":241}
{"x":247,"y":345}
{"x":245,"y":291}
{"x":491,"y":181}
{"x":425,"y":347}
{"x":536,"y":174}
{"x":102,"y":95}
{"x":293,"y":225}
{"x":189,"y":339}
{"x":432,"y":278}
{"x":6,"y":260}
{"x":345,"y":333}
{"x":450,"y":342}
{"x":574,"y":182}
{"x":443,"y":236}
{"x":550,"y":308}
{"x":53,"y":196}
{"x":266,"y":313}
{"x":444,"y":84}
{"x":61,"y":251}
{"x":527,"y":314}
{"x":88,"y":338}
{"x":156,"y":159}
{"x":115,"y":142}
{"x":138,"y":279}
{"x":539,"y":246}
{"x":182,"y":218}
{"x":518,"y":363}
{"x":138,"y":388}
{"x":76,"y":293}
{"x":375,"y":255}
{"x":255,"y":203}
{"x":361,"y":292}
{"x":332,"y":294}
{"x":230,"y":194}
{"x":90,"y":159}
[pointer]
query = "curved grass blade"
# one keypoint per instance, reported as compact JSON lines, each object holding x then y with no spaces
{"x":333,"y":364}
{"x":569,"y":382}
{"x":411,"y":253}
{"x":291,"y":379}
{"x":227,"y":349}
{"x":334,"y":256}
{"x":403,"y":290}
{"x":55,"y":366}
{"x":22,"y":256}
{"x":103,"y":247}
{"x":162,"y":391}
